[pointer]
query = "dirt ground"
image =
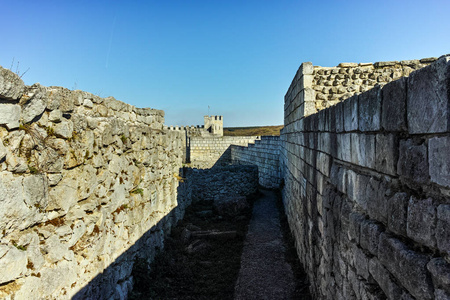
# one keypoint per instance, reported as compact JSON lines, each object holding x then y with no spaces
{"x":202,"y":258}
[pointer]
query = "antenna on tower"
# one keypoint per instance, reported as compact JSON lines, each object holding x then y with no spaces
{"x":208,"y":110}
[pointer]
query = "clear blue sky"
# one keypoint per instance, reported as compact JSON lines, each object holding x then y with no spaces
{"x":238,"y":57}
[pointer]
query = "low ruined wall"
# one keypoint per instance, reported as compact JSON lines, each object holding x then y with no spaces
{"x":265,"y":154}
{"x":86,"y":185}
{"x":335,"y":84}
{"x":367,"y":189}
{"x":206,"y":152}
{"x":314,"y":88}
{"x":222,"y":181}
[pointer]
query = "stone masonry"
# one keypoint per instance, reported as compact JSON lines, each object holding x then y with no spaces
{"x":215,"y":151}
{"x":87,"y":184}
{"x":367,"y":185}
{"x":335,"y":84}
{"x":264,"y":153}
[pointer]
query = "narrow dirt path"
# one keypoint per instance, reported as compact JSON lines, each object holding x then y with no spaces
{"x":264,"y":272}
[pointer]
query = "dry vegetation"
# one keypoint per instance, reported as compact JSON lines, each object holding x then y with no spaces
{"x":251,"y":131}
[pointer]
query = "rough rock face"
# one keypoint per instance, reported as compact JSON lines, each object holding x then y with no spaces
{"x":11,"y":86}
{"x":335,"y":84}
{"x":85,"y":183}
{"x":220,"y":182}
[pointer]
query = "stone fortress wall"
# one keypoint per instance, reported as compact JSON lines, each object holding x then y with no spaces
{"x":206,"y":147}
{"x":89,"y":184}
{"x":335,"y":84}
{"x":264,"y":153}
{"x":314,"y":88}
{"x":215,"y":151}
{"x":367,"y":186}
{"x":86,"y":185}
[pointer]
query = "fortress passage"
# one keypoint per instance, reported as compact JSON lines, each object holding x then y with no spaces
{"x":90,"y":185}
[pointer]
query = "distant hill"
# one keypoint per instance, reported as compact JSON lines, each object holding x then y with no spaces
{"x":247,"y":131}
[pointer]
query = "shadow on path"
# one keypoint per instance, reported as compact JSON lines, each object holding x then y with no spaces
{"x":265,"y":272}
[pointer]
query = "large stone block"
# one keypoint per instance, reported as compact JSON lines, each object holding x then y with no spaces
{"x":361,"y":262}
{"x":377,"y":200}
{"x":68,"y":187}
{"x":323,"y":163}
{"x":356,"y":188}
{"x":339,"y":117}
{"x":428,"y":100}
{"x":338,"y":177}
{"x":305,"y":81}
{"x":386,"y":153}
{"x":344,"y":147}
{"x":351,"y":114}
{"x":61,"y":98}
{"x":421,"y":221}
{"x":309,"y":103}
{"x":442,"y":228}
{"x":10,"y":115}
{"x":412,"y":162}
{"x":324,"y":142}
{"x":369,"y":110}
{"x":332,"y":118}
{"x":17,"y":210}
{"x":370,"y":234}
{"x":383,"y":278}
{"x":408,"y":267}
{"x":33,"y":102}
{"x":439,"y":160}
{"x":397,"y":213}
{"x":305,"y":68}
{"x":11,"y":86}
{"x":13,"y":263}
{"x":440,"y":272}
{"x":363,"y":149}
{"x":393,"y":117}
{"x":354,"y":228}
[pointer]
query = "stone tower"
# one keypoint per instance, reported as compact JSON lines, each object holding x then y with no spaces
{"x":214,"y":125}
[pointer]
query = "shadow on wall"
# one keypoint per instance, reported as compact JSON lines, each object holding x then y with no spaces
{"x":116,"y":281}
{"x":224,"y":159}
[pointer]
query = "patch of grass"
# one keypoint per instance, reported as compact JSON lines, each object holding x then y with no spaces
{"x":25,"y":127}
{"x":137,"y":191}
{"x":20,"y":247}
{"x":33,"y":170}
{"x":50,"y":131}
{"x":252,"y":131}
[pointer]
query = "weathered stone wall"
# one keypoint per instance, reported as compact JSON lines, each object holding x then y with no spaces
{"x":367,"y":188}
{"x":265,"y":154}
{"x":335,"y":84}
{"x":206,"y":152}
{"x":314,"y":88}
{"x":222,"y":181}
{"x":86,"y":185}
